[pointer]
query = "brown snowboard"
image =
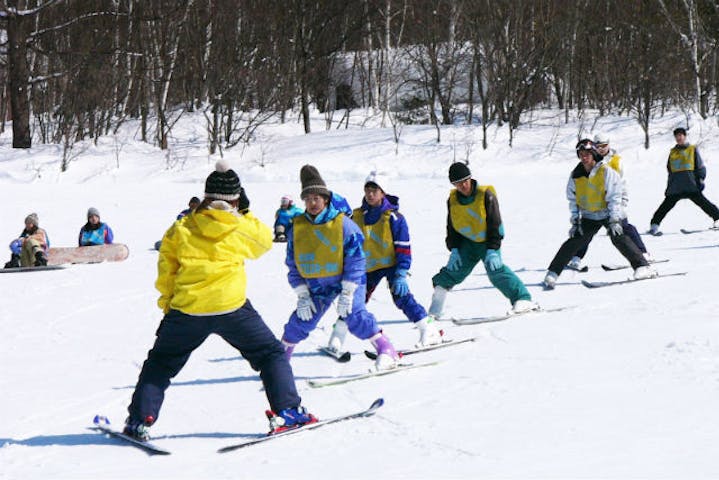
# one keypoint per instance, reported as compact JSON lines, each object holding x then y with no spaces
{"x":115,"y":252}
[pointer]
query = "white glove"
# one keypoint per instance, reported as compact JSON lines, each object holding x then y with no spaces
{"x":305,"y":305}
{"x":614,"y":228}
{"x":344,"y":301}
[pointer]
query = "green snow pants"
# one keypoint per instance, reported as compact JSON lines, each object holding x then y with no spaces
{"x":504,"y":279}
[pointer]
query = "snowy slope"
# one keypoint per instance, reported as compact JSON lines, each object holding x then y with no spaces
{"x":625,"y":384}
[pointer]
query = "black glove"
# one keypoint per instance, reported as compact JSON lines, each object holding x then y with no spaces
{"x":243,"y":204}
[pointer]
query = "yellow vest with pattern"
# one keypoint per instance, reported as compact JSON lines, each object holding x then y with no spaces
{"x":681,"y":159}
{"x":590,"y":191}
{"x":615,"y":163}
{"x":319,"y":249}
{"x":470,"y":220}
{"x":378,"y":242}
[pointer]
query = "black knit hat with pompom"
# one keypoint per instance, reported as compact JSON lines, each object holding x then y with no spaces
{"x":223,"y":183}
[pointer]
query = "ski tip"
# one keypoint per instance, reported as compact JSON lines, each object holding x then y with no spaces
{"x":100,"y":420}
{"x":377,"y":403}
{"x":345,"y":357}
{"x":370,"y":355}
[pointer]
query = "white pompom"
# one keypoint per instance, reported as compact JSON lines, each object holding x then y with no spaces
{"x":222,"y":165}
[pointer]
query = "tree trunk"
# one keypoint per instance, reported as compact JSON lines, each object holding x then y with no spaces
{"x":19,"y":74}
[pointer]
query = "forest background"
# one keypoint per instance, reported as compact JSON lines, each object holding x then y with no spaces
{"x":74,"y":70}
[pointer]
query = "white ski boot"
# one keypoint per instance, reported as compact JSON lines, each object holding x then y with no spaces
{"x":429,"y":334}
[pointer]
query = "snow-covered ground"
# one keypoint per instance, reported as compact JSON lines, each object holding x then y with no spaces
{"x":624,"y":384}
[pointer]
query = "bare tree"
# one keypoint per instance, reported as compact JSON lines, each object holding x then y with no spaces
{"x":702,"y":43}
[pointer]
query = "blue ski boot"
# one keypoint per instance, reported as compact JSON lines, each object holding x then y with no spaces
{"x":289,"y":419}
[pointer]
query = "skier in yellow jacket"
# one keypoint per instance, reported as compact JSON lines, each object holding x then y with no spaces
{"x":202,"y":284}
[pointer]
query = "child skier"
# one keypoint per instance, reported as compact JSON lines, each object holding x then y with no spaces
{"x":686,"y":180}
{"x":594,"y":191}
{"x":326,"y":261}
{"x":389,"y":255}
{"x":202,"y":284}
{"x":474,"y":234}
{"x":612,"y":159}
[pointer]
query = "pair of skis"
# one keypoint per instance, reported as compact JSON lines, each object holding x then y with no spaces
{"x":699,"y":230}
{"x":102,"y":424}
{"x":510,"y":314}
{"x":629,"y":280}
{"x":609,"y":267}
{"x":378,"y":373}
{"x":685,"y":231}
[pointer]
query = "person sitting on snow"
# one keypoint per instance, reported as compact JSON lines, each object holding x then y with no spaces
{"x":94,"y":232}
{"x":283,"y":216}
{"x":30,"y":248}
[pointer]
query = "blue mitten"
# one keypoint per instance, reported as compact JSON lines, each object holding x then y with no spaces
{"x":455,"y":260}
{"x":492,"y":260}
{"x":399,"y":286}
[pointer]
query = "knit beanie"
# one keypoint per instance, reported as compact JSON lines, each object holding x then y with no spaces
{"x":286,"y":201}
{"x":92,"y":211}
{"x":458,"y":172}
{"x":32,"y":218}
{"x":377,"y":179}
{"x":312,"y":182}
{"x":681,"y":130}
{"x":223,"y":183}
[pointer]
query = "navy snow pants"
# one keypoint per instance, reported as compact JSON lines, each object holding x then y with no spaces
{"x":180,"y":334}
{"x":408,"y":304}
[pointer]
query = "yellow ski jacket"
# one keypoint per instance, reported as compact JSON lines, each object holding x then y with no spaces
{"x":201,"y":269}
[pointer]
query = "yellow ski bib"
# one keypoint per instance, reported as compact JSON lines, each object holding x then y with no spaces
{"x":681,"y":159}
{"x":590,"y":191}
{"x":378,"y":242}
{"x":470,"y":220}
{"x":319,"y":249}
